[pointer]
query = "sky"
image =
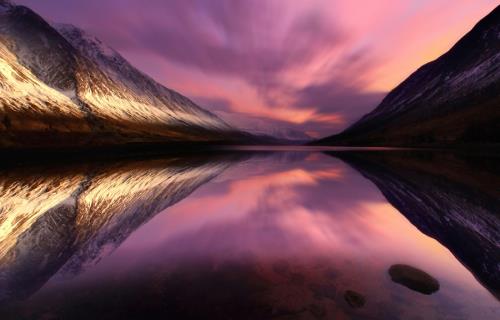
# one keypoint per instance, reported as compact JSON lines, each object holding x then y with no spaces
{"x":311,"y":65}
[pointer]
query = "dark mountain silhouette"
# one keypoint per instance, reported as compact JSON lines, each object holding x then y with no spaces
{"x":454,"y":100}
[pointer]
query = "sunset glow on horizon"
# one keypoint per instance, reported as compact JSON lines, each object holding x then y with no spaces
{"x":311,"y":65}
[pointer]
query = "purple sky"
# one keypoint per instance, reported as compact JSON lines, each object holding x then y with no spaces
{"x":313,"y":65}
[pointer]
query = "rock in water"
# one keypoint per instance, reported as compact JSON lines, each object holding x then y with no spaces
{"x":354,"y":299}
{"x":413,"y":278}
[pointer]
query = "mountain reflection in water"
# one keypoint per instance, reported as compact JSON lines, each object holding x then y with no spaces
{"x":270,"y":235}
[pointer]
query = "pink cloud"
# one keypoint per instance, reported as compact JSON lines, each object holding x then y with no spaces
{"x":316,"y":64}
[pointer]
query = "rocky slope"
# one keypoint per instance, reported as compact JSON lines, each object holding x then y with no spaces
{"x":62,"y":87}
{"x":452,"y":100}
{"x":451,"y":198}
{"x":72,"y":215}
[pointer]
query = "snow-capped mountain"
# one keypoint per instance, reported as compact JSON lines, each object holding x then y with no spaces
{"x":86,"y":93}
{"x":144,"y":89}
{"x":452,"y":100}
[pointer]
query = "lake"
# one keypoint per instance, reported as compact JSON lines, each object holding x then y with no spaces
{"x":254,"y":233}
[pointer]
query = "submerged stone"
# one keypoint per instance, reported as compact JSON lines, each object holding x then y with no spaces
{"x":413,"y":278}
{"x":354,"y":299}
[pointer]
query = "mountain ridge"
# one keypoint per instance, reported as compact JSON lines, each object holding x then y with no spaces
{"x":450,"y":101}
{"x":107,"y":107}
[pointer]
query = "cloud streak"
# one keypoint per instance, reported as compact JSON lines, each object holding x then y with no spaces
{"x":316,"y":64}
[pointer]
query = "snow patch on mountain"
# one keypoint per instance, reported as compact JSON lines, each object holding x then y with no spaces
{"x":140,"y":89}
{"x":24,"y":99}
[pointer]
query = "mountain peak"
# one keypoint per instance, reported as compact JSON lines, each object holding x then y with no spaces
{"x":75,"y":78}
{"x":83,"y":40}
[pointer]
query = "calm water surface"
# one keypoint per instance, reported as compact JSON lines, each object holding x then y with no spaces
{"x":294,"y":234}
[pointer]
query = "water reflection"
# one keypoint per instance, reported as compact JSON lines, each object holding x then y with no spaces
{"x":64,"y":218}
{"x":288,"y":235}
{"x":453,"y":198}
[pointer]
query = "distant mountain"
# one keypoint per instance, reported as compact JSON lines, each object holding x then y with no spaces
{"x":63,"y":87}
{"x":265,"y":127}
{"x":451,"y":198}
{"x":452,"y":100}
